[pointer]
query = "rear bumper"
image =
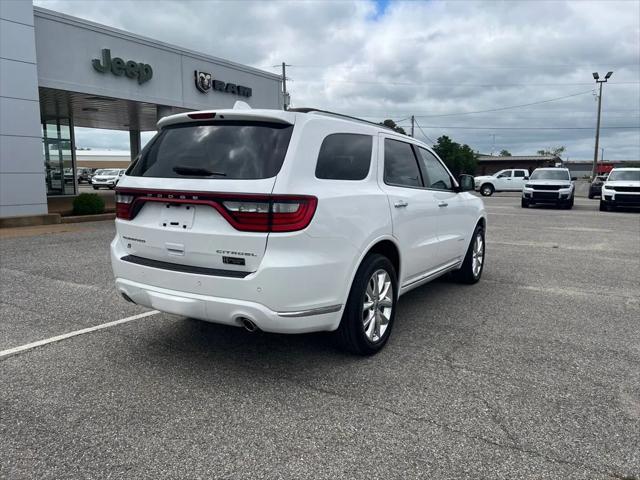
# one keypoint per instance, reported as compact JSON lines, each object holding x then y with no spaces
{"x":287,"y":294}
{"x":229,"y":311}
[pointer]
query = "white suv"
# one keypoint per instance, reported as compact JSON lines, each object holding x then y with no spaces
{"x":108,"y":178}
{"x":622,"y":188}
{"x":551,"y":185}
{"x":510,"y":180}
{"x":290,"y":221}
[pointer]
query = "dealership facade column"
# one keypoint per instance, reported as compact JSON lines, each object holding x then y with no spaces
{"x":22,"y":182}
{"x":134,"y":143}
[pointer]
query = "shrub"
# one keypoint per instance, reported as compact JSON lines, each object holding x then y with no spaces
{"x":88,"y":204}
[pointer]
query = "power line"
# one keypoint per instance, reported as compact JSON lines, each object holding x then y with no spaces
{"x":510,"y":106}
{"x":549,"y":100}
{"x":451,"y":84}
{"x":477,"y":66}
{"x":425,"y":135}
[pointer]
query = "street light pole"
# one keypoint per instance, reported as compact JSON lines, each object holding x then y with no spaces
{"x":596,"y":77}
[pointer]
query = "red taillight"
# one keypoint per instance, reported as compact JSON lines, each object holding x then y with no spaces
{"x":124,"y":204}
{"x":273,"y":213}
{"x":245,"y":212}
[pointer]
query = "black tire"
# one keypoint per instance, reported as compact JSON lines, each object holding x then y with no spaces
{"x":351,"y":332}
{"x":524,"y":203}
{"x":591,"y":196}
{"x":95,"y":188}
{"x":486,"y":190}
{"x":465,"y":274}
{"x":604,"y":206}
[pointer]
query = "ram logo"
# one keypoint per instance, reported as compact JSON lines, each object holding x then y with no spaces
{"x":203,"y":81}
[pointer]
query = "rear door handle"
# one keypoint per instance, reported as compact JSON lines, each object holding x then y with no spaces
{"x":400,"y":204}
{"x":443,"y":204}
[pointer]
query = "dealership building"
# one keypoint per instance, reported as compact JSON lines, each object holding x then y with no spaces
{"x":58,"y":72}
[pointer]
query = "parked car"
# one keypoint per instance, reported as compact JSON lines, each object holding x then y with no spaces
{"x":595,"y":189}
{"x":291,"y":221}
{"x":511,"y":180}
{"x":83,"y":175}
{"x":622,"y":188}
{"x":107,"y":178}
{"x":549,"y":185}
{"x":68,"y":175}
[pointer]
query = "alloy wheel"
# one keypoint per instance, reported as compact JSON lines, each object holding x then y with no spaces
{"x":477,"y":256}
{"x":377,"y":305}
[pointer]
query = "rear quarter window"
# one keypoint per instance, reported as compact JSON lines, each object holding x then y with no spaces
{"x":228,"y":150}
{"x":344,"y":156}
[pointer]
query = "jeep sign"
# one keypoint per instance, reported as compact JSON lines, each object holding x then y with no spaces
{"x":142,"y":71}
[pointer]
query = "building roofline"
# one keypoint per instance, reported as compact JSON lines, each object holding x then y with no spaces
{"x":47,"y":14}
{"x":517,"y":158}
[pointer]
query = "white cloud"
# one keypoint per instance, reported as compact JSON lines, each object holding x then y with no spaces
{"x":425,"y":58}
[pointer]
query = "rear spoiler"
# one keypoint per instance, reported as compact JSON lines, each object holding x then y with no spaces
{"x":271,"y":116}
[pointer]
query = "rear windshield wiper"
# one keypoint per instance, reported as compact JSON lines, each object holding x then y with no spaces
{"x":197,"y":171}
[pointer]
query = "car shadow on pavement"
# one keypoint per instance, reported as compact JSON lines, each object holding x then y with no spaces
{"x":195,"y":341}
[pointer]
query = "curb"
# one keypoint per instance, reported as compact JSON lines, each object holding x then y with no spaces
{"x":89,"y":218}
{"x":31,"y":220}
{"x":52,"y":219}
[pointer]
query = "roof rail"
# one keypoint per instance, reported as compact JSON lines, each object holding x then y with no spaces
{"x":341,"y":115}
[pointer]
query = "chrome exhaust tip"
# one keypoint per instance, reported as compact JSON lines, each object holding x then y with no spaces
{"x":127,"y":297}
{"x":248,"y":325}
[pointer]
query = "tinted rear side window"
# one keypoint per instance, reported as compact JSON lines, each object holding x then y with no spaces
{"x":344,"y":156}
{"x":400,"y":165}
{"x":230,"y":150}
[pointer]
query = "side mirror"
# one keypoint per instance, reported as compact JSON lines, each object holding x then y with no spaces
{"x":526,"y":178}
{"x":466,"y":183}
{"x":573,"y":179}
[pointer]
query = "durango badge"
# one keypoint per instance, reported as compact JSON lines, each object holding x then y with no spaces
{"x":205,"y":82}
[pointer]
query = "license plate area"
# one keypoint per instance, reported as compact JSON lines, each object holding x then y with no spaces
{"x":177,"y":216}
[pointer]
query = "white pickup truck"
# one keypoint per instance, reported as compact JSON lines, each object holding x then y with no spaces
{"x":511,"y":180}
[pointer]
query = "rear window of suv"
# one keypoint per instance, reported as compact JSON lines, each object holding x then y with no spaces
{"x":344,"y":156}
{"x":222,"y":150}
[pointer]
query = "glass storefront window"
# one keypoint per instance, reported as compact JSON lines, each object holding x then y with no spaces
{"x":59,"y":156}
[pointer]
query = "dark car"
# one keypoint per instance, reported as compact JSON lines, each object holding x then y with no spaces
{"x":595,"y":189}
{"x":84,"y":174}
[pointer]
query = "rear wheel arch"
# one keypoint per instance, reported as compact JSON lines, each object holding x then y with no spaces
{"x":388,"y":249}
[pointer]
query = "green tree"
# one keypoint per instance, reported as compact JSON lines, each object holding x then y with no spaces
{"x":458,"y":158}
{"x":554,"y":151}
{"x":505,"y":153}
{"x":391,"y":124}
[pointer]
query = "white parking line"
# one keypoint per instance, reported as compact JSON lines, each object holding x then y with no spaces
{"x":39,"y":343}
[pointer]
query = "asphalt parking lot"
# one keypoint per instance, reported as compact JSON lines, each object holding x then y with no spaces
{"x":532,"y":373}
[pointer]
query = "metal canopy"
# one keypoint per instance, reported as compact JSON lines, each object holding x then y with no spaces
{"x":95,"y":111}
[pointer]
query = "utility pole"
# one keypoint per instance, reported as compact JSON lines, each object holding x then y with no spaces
{"x":284,"y":86}
{"x":596,"y":77}
{"x":413,"y":122}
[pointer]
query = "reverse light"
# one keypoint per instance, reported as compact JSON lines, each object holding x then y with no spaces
{"x":246,"y":207}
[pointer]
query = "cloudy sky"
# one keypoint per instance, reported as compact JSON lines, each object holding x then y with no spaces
{"x":440,"y":61}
